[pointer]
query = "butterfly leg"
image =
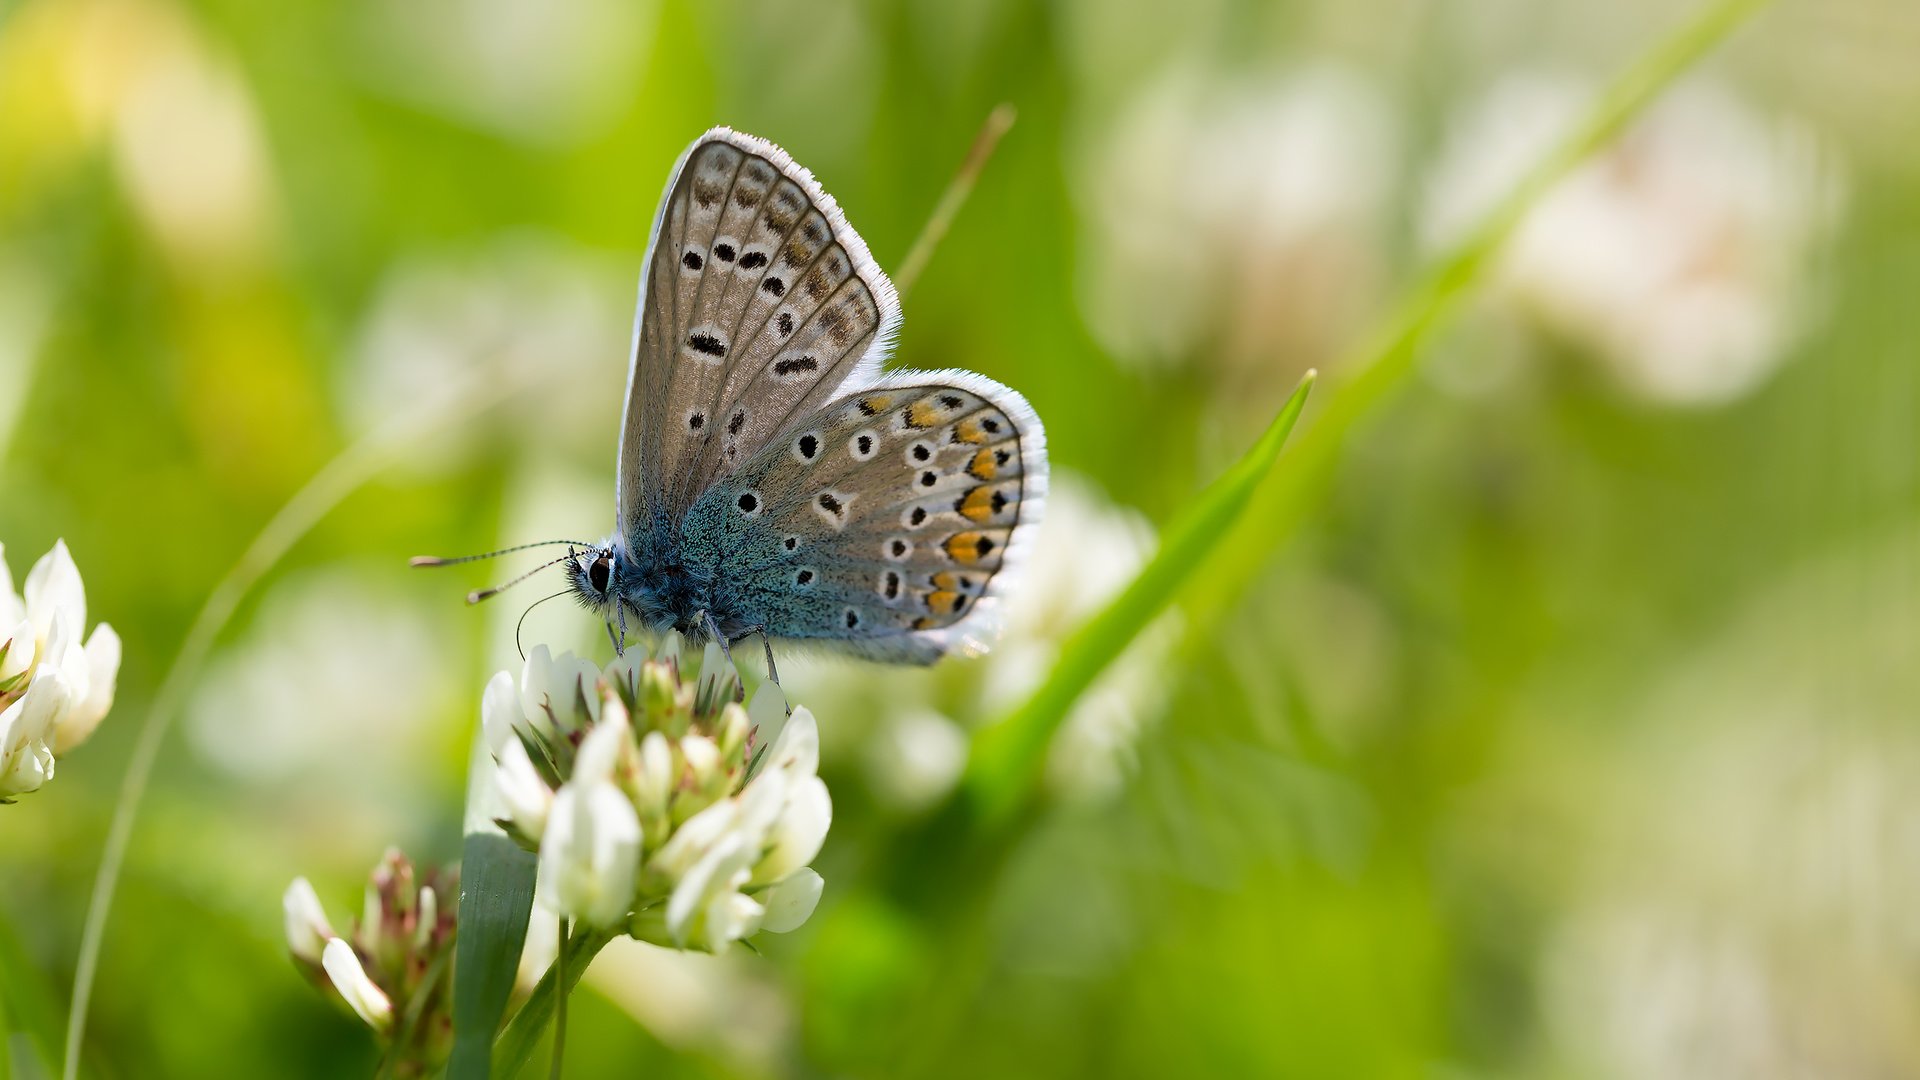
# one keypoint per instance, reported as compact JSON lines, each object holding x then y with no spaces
{"x":773,"y":673}
{"x":713,"y":627}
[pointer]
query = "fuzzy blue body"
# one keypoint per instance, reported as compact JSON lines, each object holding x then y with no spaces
{"x":712,"y":570}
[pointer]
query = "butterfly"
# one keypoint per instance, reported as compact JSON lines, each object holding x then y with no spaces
{"x":773,"y":481}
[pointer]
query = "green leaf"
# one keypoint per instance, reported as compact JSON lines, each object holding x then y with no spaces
{"x":496,"y":898}
{"x":1006,"y":759}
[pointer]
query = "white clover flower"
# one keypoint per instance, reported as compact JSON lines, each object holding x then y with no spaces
{"x":590,"y":849}
{"x":527,"y":798}
{"x":651,"y":801}
{"x":359,"y":991}
{"x":56,"y":682}
{"x":26,"y":761}
{"x":398,"y":955}
{"x":791,"y":902}
{"x":1679,"y":256}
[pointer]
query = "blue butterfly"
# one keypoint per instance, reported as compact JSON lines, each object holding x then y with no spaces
{"x":772,"y":481}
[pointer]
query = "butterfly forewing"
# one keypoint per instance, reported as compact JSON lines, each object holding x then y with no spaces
{"x":884,"y":521}
{"x":759,"y":302}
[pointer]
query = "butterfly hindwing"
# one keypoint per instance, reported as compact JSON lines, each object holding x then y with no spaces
{"x":759,"y":301}
{"x":886,"y":522}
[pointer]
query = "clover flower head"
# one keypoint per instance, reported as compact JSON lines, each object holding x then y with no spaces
{"x":394,"y":968}
{"x":56,"y":681}
{"x":658,"y":803}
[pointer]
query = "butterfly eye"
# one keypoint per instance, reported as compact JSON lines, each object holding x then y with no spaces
{"x":600,"y":574}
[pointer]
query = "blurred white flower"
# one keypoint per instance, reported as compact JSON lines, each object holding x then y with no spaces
{"x":545,"y":73}
{"x":915,"y":758}
{"x":138,"y":79}
{"x":306,"y":922}
{"x":650,"y":801}
{"x":1720,"y":862}
{"x":336,"y":661}
{"x":728,"y":1009}
{"x":1680,"y":256}
{"x":1235,"y":218}
{"x":1089,"y":552}
{"x":525,"y":303}
{"x":54,"y":689}
{"x":188,"y":148}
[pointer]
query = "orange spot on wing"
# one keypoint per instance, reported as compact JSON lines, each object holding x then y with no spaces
{"x":969,"y":431}
{"x":969,"y":548}
{"x":923,"y":413}
{"x":982,"y":504}
{"x":983,"y":466}
{"x":874,"y":404}
{"x":945,"y":602}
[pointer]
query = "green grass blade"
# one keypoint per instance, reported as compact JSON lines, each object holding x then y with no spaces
{"x":496,"y":901}
{"x":1388,"y":357}
{"x":496,"y":898}
{"x":1007,"y":757}
{"x":339,"y":478}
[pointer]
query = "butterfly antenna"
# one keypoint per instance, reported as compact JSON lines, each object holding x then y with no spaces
{"x":435,"y":560}
{"x":523,"y":620}
{"x":478,"y":595}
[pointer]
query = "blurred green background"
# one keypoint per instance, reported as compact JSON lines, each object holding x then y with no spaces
{"x":1570,"y":734}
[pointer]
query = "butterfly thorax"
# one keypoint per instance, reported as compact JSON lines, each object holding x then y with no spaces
{"x":658,"y":593}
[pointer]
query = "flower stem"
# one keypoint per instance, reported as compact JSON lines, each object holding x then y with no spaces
{"x":997,"y":124}
{"x":515,"y":1045}
{"x":339,"y":478}
{"x":560,"y":1003}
